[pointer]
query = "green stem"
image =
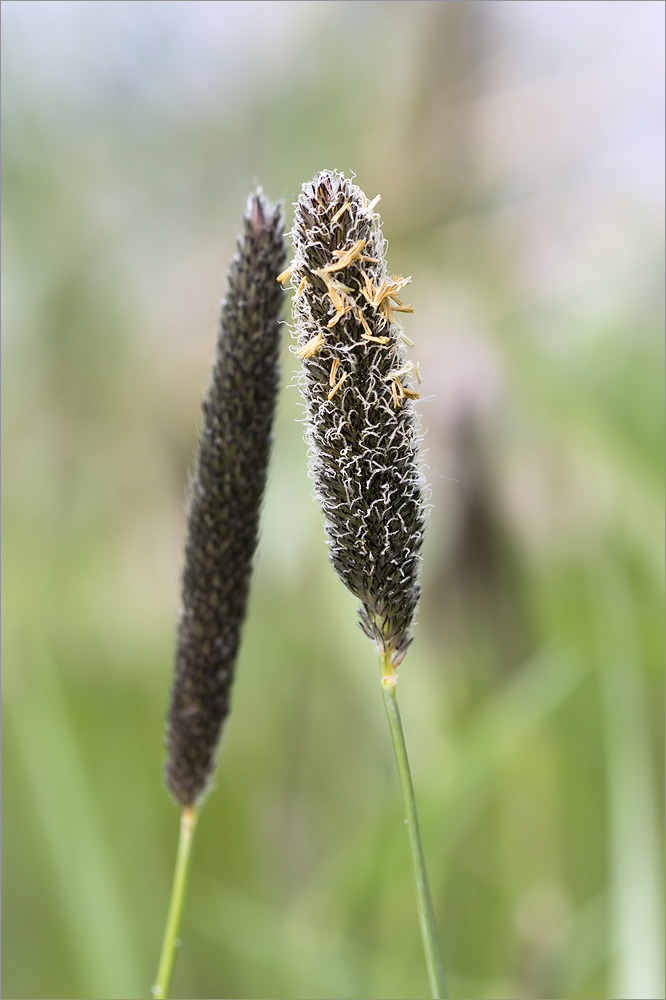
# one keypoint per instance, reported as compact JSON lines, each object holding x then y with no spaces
{"x":423,"y":898}
{"x":171,"y":942}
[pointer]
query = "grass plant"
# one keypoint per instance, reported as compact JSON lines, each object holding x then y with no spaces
{"x":223,"y":522}
{"x":362,"y":430}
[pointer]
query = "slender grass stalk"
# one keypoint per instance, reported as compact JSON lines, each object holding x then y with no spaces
{"x":223,"y":525}
{"x":171,"y":942}
{"x":424,"y":908}
{"x":359,"y":390}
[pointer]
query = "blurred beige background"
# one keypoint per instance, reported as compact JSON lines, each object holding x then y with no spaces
{"x":519,"y":152}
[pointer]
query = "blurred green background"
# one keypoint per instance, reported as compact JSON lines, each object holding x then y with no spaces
{"x":518,"y":149}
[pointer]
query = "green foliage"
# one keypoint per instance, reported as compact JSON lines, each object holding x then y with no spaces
{"x":532,"y":695}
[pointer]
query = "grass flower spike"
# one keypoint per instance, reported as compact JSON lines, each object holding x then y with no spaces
{"x":359,"y":390}
{"x":223,"y":522}
{"x":226,"y":493}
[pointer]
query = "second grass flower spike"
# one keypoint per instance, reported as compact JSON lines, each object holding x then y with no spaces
{"x":359,"y":389}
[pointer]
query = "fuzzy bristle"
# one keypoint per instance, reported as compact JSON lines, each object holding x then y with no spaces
{"x":225,"y":500}
{"x":359,"y":393}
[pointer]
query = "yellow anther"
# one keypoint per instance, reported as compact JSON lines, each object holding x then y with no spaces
{"x":337,"y":386}
{"x":312,"y":346}
{"x":368,"y":335}
{"x":336,"y":292}
{"x":331,"y":282}
{"x":336,"y":298}
{"x":284,"y":276}
{"x":410,"y":393}
{"x":334,"y":365}
{"x":404,"y":391}
{"x":380,"y":296}
{"x":339,"y":314}
{"x":398,"y":390}
{"x":369,"y":291}
{"x":406,"y":369}
{"x":396,"y":284}
{"x":346,"y":257}
{"x":341,"y":211}
{"x":398,"y":307}
{"x":300,"y":288}
{"x":359,"y":314}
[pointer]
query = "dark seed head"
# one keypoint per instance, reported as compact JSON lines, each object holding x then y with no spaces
{"x":359,"y":391}
{"x":226,"y":493}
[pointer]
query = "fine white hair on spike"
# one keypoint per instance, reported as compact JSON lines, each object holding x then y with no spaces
{"x":361,"y":427}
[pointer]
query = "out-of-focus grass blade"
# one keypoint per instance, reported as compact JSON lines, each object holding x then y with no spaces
{"x":586,"y":947}
{"x":636,"y":875}
{"x":501,"y":728}
{"x":97,"y":920}
{"x":286,"y":943}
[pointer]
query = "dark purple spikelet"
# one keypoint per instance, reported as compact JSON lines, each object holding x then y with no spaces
{"x":225,"y":500}
{"x":359,"y":391}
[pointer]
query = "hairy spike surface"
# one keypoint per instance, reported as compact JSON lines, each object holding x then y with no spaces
{"x":358,"y":391}
{"x":225,"y":500}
